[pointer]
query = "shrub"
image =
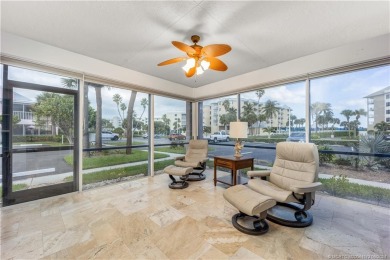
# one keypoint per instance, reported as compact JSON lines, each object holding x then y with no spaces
{"x":325,"y":157}
{"x":37,"y":138}
{"x":343,"y":161}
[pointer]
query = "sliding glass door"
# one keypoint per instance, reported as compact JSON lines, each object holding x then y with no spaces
{"x":39,"y":135}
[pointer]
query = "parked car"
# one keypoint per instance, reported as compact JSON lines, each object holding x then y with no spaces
{"x":106,"y":135}
{"x":145,"y":136}
{"x":219,"y":137}
{"x":297,"y":137}
{"x":176,"y":137}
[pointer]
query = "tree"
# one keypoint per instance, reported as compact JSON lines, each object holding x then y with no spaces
{"x":160,"y":127}
{"x":144,"y":104}
{"x":320,"y":108}
{"x":107,"y":124}
{"x":207,"y":129}
{"x":167,"y":123}
{"x":248,"y":114}
{"x":60,"y":108}
{"x":382,"y":127}
{"x":119,"y":105}
{"x":130,"y":111}
{"x":259,"y":93}
{"x":334,"y":121}
{"x":15,"y":120}
{"x":270,"y":110}
{"x":358,"y":113}
{"x":347,"y":113}
{"x":269,"y":130}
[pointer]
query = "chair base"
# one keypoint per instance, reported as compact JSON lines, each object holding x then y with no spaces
{"x":293,"y":216}
{"x":178,"y":184}
{"x":260,"y":225}
{"x":196,"y":176}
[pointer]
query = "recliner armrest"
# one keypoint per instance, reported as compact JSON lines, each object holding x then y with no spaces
{"x":259,"y":173}
{"x":181,"y":158}
{"x":308,"y":188}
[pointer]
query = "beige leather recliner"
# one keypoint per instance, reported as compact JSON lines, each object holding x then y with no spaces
{"x":196,"y":157}
{"x":292,"y":180}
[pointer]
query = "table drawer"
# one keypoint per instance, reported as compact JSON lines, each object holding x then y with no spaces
{"x":222,"y":163}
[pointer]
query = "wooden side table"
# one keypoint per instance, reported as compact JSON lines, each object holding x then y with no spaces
{"x":233,"y":164}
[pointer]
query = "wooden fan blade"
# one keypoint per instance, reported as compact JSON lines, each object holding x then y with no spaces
{"x":184,"y":47}
{"x":215,"y":50}
{"x":216,"y":64}
{"x":174,"y":60}
{"x":191,"y":72}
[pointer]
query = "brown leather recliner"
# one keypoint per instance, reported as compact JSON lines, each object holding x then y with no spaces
{"x":196,"y":157}
{"x":291,"y":181}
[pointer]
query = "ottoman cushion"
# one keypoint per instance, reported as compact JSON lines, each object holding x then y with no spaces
{"x":178,"y":171}
{"x":248,"y":201}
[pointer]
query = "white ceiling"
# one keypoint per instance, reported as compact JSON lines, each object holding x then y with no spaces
{"x":137,"y":35}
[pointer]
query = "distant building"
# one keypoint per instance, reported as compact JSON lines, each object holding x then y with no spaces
{"x":213,"y":112}
{"x":22,"y":109}
{"x":116,"y":122}
{"x":378,"y":107}
{"x":178,"y":117}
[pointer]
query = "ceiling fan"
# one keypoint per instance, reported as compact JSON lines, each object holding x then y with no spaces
{"x":199,"y":58}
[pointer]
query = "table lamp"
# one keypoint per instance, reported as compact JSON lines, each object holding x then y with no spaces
{"x":238,"y":130}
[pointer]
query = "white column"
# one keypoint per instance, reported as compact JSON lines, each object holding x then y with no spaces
{"x":195,"y":120}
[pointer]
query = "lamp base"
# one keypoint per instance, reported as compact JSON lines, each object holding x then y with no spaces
{"x":237,"y":149}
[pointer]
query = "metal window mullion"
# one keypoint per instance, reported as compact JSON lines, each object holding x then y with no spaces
{"x":307,"y":110}
{"x":151,"y":136}
{"x":79,"y":170}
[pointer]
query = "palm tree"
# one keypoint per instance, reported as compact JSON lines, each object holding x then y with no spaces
{"x":118,"y":101}
{"x":382,"y":127}
{"x":318,"y":108}
{"x":129,"y":132}
{"x":270,"y":109}
{"x":144,"y":104}
{"x":358,"y":113}
{"x":259,"y":94}
{"x":248,"y":113}
{"x":334,"y":121}
{"x":166,"y":121}
{"x":347,"y":113}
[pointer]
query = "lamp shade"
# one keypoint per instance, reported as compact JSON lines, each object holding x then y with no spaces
{"x":238,"y":130}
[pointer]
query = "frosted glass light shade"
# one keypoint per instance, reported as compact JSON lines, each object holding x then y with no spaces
{"x":238,"y":130}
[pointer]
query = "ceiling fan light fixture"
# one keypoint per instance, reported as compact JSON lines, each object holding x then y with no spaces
{"x":199,"y":58}
{"x":199,"y":70}
{"x":190,"y":64}
{"x":205,"y":64}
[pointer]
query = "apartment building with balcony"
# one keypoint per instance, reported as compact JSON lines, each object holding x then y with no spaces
{"x":213,"y":111}
{"x":378,"y":107}
{"x":22,"y":109}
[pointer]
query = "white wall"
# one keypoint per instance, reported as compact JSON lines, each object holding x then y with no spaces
{"x":374,"y":48}
{"x":29,"y":50}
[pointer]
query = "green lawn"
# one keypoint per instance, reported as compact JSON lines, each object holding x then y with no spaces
{"x":113,"y":159}
{"x":122,"y":172}
{"x":16,"y":187}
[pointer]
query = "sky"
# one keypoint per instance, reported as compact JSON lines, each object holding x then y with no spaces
{"x":343,"y":91}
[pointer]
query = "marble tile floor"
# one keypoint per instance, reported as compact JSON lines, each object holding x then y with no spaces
{"x":144,"y":219}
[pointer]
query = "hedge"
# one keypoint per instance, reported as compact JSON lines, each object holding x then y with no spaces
{"x":38,"y":138}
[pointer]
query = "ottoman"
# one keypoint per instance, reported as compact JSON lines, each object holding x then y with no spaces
{"x":183,"y":172}
{"x":250,"y":204}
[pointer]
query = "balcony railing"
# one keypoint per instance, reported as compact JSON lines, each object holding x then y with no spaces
{"x":24,"y":115}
